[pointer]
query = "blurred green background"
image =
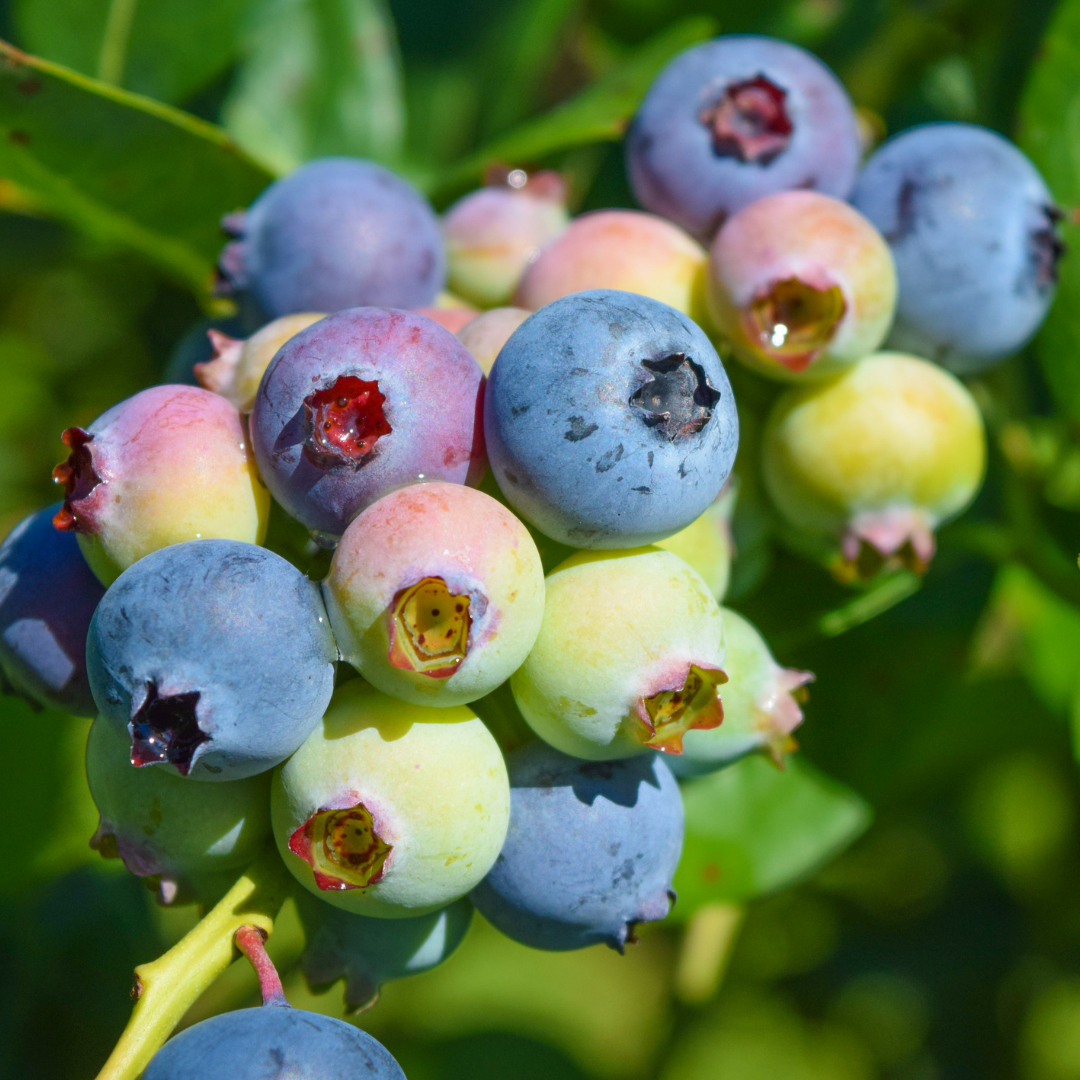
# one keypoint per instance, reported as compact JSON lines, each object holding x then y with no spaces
{"x":944,"y":940}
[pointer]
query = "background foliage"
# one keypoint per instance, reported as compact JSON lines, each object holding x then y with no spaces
{"x":945,"y":941}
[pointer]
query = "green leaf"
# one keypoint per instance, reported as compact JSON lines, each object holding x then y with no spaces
{"x":1030,"y":627}
{"x":752,"y":829}
{"x":599,"y":113}
{"x":47,"y":811}
{"x":517,"y":55}
{"x":121,"y":168}
{"x":167,"y":49}
{"x":1050,"y":134}
{"x":319,"y":77}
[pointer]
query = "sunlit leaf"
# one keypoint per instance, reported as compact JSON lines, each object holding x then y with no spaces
{"x":319,"y":77}
{"x":1030,"y":627}
{"x":172,"y":49}
{"x":752,"y":829}
{"x":1050,"y":133}
{"x":121,"y":168}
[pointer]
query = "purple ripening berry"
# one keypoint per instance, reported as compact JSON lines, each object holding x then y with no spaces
{"x":361,"y":403}
{"x":734,"y":119}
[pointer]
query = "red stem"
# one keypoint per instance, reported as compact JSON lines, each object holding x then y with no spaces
{"x":251,"y":941}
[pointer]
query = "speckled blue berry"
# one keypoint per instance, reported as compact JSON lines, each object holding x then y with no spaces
{"x":591,"y":850}
{"x":216,"y":658}
{"x":734,"y":119}
{"x":361,"y":403}
{"x":367,"y":952}
{"x":609,"y":420}
{"x":273,"y":1043}
{"x":973,"y":231}
{"x":336,"y":233}
{"x":47,"y":597}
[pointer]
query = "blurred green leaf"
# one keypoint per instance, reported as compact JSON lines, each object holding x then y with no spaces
{"x":599,"y":113}
{"x":319,"y":77}
{"x":752,"y":829}
{"x":121,"y":168}
{"x":518,"y":54}
{"x":1050,"y":133}
{"x":171,"y":48}
{"x":1030,"y":627}
{"x":48,"y":814}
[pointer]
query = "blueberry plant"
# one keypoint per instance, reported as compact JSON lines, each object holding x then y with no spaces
{"x":502,"y":495}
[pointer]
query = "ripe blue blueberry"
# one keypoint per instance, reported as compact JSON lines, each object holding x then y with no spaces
{"x":591,"y":849}
{"x":609,"y":420}
{"x":47,"y":597}
{"x":273,"y":1042}
{"x":215,"y":656}
{"x":734,"y":119}
{"x":336,"y":233}
{"x":367,"y":952}
{"x":363,"y":402}
{"x":973,"y":231}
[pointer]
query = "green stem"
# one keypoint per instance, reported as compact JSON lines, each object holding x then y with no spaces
{"x":168,"y":986}
{"x":114,"y":43}
{"x":881,"y":596}
{"x":878,"y":598}
{"x":706,"y":948}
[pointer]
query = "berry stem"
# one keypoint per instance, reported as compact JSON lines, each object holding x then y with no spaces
{"x":251,"y":941}
{"x":166,"y":987}
{"x":706,"y":948}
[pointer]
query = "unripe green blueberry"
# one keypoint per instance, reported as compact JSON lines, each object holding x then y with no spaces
{"x":391,"y":809}
{"x":163,"y":826}
{"x":706,"y":543}
{"x":761,"y":705}
{"x":485,"y":335}
{"x":238,"y":364}
{"x":435,"y":594}
{"x":878,"y":456}
{"x":494,"y":233}
{"x":801,"y":285}
{"x":629,"y":655}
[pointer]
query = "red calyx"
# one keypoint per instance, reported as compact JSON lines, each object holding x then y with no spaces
{"x":750,"y":121}
{"x":342,"y":847}
{"x":78,"y":478}
{"x":345,"y":420}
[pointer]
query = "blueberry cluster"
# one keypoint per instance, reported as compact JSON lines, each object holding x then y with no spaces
{"x":528,"y":511}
